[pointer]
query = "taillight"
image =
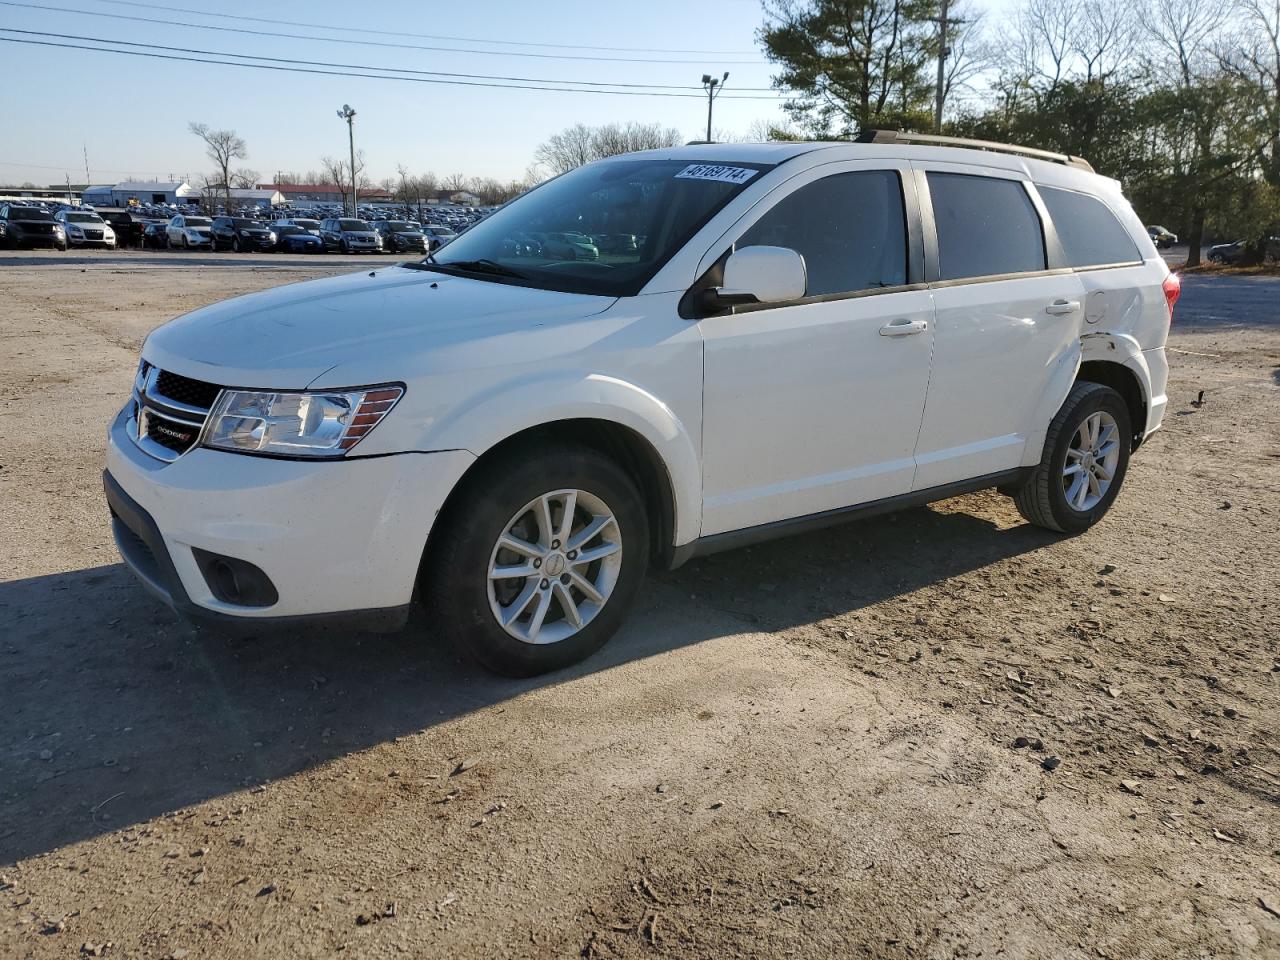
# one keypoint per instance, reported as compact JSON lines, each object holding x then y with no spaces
{"x":1172,"y":287}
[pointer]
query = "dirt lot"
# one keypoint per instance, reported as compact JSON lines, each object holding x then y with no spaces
{"x":805,"y":749}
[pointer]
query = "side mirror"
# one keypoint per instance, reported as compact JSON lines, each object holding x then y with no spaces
{"x":760,"y":275}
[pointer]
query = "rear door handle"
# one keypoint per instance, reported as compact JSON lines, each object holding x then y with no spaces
{"x":1060,"y":307}
{"x":904,"y":328}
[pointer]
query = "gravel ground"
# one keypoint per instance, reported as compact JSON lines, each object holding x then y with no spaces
{"x":937,"y":734}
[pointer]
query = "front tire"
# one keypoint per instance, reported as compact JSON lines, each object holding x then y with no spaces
{"x":538,"y":558}
{"x":1085,"y":459}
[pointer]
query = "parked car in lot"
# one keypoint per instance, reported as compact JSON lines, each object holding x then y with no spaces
{"x":1161,"y":236}
{"x":349,"y":236}
{"x":568,"y":246}
{"x":27,"y":226}
{"x":437,"y":236}
{"x":310,"y":226}
{"x":294,"y":239}
{"x":809,"y":333}
{"x":189,"y":233}
{"x":83,"y":229}
{"x":155,"y":236}
{"x":1234,"y":252}
{"x":401,"y":236}
{"x":240,"y":234}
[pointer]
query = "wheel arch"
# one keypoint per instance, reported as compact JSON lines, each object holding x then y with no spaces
{"x":622,"y":444}
{"x":1121,"y":378}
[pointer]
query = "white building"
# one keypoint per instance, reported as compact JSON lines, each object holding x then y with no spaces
{"x":256,"y":198}
{"x":140,"y":191}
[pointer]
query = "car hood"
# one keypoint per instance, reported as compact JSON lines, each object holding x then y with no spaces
{"x":366,"y":323}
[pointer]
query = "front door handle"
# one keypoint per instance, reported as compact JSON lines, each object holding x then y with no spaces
{"x":1061,"y":307}
{"x":904,"y":328}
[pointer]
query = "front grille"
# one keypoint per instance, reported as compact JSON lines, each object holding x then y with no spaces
{"x":93,"y":234}
{"x":194,"y":393}
{"x":170,"y":411}
{"x":170,"y":434}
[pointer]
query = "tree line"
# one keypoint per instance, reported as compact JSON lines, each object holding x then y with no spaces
{"x":1177,"y":99}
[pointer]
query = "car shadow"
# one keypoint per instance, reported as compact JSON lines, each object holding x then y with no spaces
{"x":115,"y":711}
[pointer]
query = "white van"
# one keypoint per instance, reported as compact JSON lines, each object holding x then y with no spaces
{"x":791,"y":335}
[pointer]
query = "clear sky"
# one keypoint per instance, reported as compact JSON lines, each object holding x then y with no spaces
{"x":132,"y":112}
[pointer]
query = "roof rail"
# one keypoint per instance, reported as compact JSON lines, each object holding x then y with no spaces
{"x":934,"y":140}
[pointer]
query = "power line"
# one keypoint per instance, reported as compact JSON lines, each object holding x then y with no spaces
{"x":358,"y":76}
{"x":423,"y":36}
{"x":346,"y":40}
{"x":363,"y":66}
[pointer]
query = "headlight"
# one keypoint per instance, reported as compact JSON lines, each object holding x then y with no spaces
{"x":193,"y":234}
{"x":272,"y":235}
{"x":325,"y":423}
{"x":108,"y":232}
{"x":57,"y":230}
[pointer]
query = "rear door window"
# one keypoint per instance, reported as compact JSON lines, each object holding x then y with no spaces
{"x":849,"y":227}
{"x":1089,"y":232}
{"x":986,"y":226}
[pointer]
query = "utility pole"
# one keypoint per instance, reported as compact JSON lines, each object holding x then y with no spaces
{"x":346,"y":113}
{"x":85,"y":147}
{"x":713,"y":88}
{"x":943,"y":52}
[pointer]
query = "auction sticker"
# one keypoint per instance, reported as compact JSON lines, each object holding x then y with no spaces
{"x":714,"y":171}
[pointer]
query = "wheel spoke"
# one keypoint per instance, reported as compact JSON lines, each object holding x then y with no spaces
{"x":596,"y":553}
{"x":1074,"y":453}
{"x":1094,"y":422}
{"x":512,"y":612}
{"x":542,"y":513}
{"x":517,"y":572}
{"x":586,"y":586}
{"x":567,"y":605}
{"x":1105,"y":434}
{"x":1072,"y":470}
{"x":517,"y":545}
{"x":1108,"y":448}
{"x":1073,"y":492}
{"x":589,"y":532}
{"x":566,"y":519}
{"x":1102,"y":472}
{"x":539,"y":614}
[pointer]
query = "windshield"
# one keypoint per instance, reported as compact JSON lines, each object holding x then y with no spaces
{"x":83,"y":218}
{"x":604,"y":228}
{"x":244,"y":223}
{"x":197,"y":221}
{"x":287,"y":231}
{"x":29,"y":213}
{"x":353,"y":225}
{"x":400,"y":226}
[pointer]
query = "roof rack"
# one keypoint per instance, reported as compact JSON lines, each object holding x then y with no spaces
{"x":934,"y":140}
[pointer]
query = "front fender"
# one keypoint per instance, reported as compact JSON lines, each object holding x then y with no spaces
{"x":510,"y":408}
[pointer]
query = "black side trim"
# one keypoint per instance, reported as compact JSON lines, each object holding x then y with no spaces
{"x":731,"y":540}
{"x":142,"y":548}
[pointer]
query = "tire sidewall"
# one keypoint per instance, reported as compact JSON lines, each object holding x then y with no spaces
{"x":461,"y":578}
{"x":1109,"y":401}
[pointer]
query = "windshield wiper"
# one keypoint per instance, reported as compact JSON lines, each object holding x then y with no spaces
{"x":483,"y":266}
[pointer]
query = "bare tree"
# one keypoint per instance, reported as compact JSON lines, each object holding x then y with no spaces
{"x":245,"y":178}
{"x":455,"y":182}
{"x":579,"y":144}
{"x":337,"y":171}
{"x":223,"y":148}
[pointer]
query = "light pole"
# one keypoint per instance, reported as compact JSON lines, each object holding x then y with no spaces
{"x":349,"y":115}
{"x":713,"y":88}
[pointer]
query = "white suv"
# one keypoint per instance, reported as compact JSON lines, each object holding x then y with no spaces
{"x":795,"y":334}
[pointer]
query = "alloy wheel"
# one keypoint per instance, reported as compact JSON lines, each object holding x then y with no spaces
{"x":1092,"y":458}
{"x":554,"y":566}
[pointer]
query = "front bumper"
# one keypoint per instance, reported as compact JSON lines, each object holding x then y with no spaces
{"x":340,"y":541}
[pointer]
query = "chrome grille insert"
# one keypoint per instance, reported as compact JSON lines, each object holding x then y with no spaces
{"x":169,"y":411}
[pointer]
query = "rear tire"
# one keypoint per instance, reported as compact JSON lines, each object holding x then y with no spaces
{"x":465,"y":600}
{"x":1053,"y":497}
